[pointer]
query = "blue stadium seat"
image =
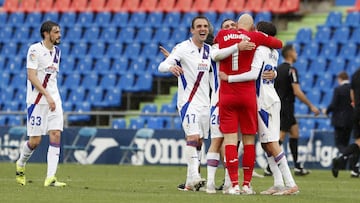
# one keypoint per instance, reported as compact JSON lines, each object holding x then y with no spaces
{"x":15,"y":65}
{"x":72,"y":81}
{"x":83,"y":106}
{"x":114,"y":50}
{"x":85,"y":18}
{"x":341,"y":35}
{"x":80,"y":49}
{"x":108,"y":81}
{"x":144,"y":35}
{"x":126,"y":81}
{"x":109,"y":34}
{"x":311,"y":50}
{"x":9,"y":49}
{"x":132,"y":50}
{"x":262,"y":16}
{"x":324,"y":81}
{"x":153,"y":64}
{"x":127,"y":34}
{"x":7,"y":94}
{"x":16,"y":19}
{"x":118,"y":123}
{"x":348,"y":51}
{"x":90,"y":80}
{"x":150,"y":50}
{"x":120,"y":65}
{"x":102,"y":19}
{"x":4,"y":77}
{"x":301,"y":64}
{"x":187,"y":18}
{"x":103,"y":65}
{"x":155,"y":19}
{"x":85,"y":64}
{"x":162,"y":34}
{"x":327,"y":97}
{"x":113,"y":97}
{"x":323,"y":34}
{"x":11,"y":105}
{"x":148,"y":109}
{"x":6,"y":33}
{"x":334,"y":19}
{"x":97,"y":49}
{"x":172,"y":19}
{"x":136,"y":123}
{"x":2,"y":62}
{"x":3,"y":120}
{"x":20,"y":95}
{"x":77,"y":95}
{"x":155,"y":123}
{"x":138,"y":65}
{"x":33,"y":18}
{"x":211,"y":16}
{"x":91,"y":34}
{"x":352,"y":19}
{"x":336,"y":65}
{"x":67,"y":106}
{"x":21,"y":34}
{"x":329,"y":50}
{"x":177,"y":123}
{"x":314,"y":97}
{"x":3,"y":17}
{"x":318,"y":65}
{"x":353,"y":65}
{"x":19,"y":80}
{"x":180,"y":34}
{"x":168,"y":108}
{"x":53,"y":16}
{"x":354,"y":38}
{"x":223,"y":16}
{"x":74,"y":34}
{"x":120,"y":19}
{"x":144,"y":82}
{"x":65,"y":48}
{"x":96,"y":97}
{"x":137,"y":19}
{"x":323,"y":124}
{"x":67,"y":19}
{"x":67,"y":64}
{"x":14,"y":120}
{"x":307,"y":79}
{"x":304,"y":36}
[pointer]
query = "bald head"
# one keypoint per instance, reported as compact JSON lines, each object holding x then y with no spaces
{"x":246,"y":22}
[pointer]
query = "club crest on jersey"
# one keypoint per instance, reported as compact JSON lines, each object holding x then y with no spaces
{"x":32,"y":55}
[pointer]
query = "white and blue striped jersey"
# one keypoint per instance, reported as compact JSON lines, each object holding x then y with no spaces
{"x":193,"y":84}
{"x":46,"y":63}
{"x":265,"y":59}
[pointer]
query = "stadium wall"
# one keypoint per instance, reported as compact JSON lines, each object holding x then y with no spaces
{"x":165,"y":148}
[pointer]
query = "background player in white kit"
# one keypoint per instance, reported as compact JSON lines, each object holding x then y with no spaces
{"x":45,"y":114}
{"x":190,"y":61}
{"x":265,"y":59}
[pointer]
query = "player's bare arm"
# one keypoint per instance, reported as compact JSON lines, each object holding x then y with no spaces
{"x":32,"y":77}
{"x":164,"y":51}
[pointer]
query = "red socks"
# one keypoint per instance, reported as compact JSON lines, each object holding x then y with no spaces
{"x":232,"y":163}
{"x":248,"y":163}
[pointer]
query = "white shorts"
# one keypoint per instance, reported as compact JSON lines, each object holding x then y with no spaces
{"x":196,"y":121}
{"x":269,"y":124}
{"x":40,"y":119}
{"x":214,"y":123}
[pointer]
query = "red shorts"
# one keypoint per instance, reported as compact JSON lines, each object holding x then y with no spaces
{"x":238,"y":111}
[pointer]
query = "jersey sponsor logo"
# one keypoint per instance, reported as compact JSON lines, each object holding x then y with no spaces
{"x":203,"y":67}
{"x":236,"y":36}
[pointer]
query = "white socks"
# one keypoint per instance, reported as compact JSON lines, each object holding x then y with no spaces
{"x":52,"y":160}
{"x":213,"y":160}
{"x":25,"y":154}
{"x":278,"y":179}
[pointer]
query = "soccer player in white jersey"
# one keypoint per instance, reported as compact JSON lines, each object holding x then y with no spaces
{"x":190,"y":61}
{"x":265,"y":59}
{"x":45,"y":114}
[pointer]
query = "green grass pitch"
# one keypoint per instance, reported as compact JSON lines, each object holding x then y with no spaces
{"x":114,"y":183}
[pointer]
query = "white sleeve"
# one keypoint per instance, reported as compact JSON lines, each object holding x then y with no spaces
{"x":219,"y":54}
{"x":171,"y":60}
{"x":32,"y":58}
{"x":253,"y":74}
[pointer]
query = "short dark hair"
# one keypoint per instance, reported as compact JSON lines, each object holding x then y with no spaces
{"x":343,"y":75}
{"x":266,"y":27}
{"x":286,"y":49}
{"x":226,"y":19}
{"x":47,"y":27}
{"x":199,"y":17}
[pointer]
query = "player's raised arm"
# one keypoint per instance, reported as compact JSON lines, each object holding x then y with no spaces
{"x":269,"y":41}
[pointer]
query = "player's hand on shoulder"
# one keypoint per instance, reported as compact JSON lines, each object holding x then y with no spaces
{"x":223,"y":76}
{"x":176,"y":70}
{"x":246,"y":45}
